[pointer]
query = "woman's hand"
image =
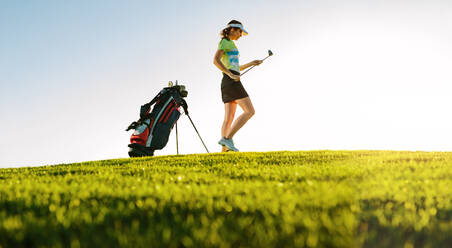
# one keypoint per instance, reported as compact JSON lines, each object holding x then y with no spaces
{"x":257,"y":62}
{"x":252,"y":63}
{"x":234,"y":77}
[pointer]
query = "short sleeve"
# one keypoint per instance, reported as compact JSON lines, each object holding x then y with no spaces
{"x":224,"y":45}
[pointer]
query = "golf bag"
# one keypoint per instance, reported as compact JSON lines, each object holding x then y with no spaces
{"x":153,"y":128}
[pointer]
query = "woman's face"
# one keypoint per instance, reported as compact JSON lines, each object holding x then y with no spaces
{"x":235,"y":34}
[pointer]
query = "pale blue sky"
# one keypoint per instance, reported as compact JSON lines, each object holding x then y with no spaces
{"x":345,"y":75}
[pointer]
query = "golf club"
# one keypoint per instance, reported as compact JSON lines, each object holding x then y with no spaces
{"x":270,"y":53}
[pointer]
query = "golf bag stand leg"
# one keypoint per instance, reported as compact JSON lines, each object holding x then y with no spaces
{"x":197,"y":132}
{"x":177,"y":141}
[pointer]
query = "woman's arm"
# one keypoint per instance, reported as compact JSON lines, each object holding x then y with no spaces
{"x":219,"y":64}
{"x":254,"y":62}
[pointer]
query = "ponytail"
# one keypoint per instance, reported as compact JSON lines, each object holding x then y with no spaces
{"x":225,"y":33}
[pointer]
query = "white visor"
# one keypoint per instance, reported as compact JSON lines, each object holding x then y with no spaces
{"x":235,"y":25}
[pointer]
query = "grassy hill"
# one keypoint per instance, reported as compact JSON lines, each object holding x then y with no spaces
{"x":273,"y":199}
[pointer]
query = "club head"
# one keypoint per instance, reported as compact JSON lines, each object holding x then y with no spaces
{"x":270,"y":53}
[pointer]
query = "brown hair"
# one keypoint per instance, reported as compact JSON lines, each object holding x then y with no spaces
{"x":225,"y":32}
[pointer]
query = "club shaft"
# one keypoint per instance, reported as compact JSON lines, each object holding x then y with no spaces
{"x":253,"y":66}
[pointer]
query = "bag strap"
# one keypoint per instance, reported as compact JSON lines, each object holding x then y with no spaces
{"x":184,"y":105}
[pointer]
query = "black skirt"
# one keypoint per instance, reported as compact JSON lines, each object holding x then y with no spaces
{"x":232,"y":90}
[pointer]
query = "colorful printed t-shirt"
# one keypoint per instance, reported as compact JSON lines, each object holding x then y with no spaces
{"x":230,"y":58}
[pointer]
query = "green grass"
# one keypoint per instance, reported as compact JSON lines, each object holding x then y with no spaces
{"x":274,"y":199}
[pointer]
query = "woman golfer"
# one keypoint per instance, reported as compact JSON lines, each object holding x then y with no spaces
{"x":232,"y":91}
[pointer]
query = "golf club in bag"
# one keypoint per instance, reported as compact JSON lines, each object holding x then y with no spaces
{"x":153,"y":128}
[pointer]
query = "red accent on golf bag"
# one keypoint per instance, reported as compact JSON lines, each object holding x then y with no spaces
{"x":166,"y":110}
{"x":141,"y":138}
{"x":169,"y":114}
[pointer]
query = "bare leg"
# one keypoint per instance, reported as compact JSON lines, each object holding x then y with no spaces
{"x":229,"y":112}
{"x":248,"y":112}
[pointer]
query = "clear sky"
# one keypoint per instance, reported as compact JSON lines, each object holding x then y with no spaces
{"x":347,"y":74}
